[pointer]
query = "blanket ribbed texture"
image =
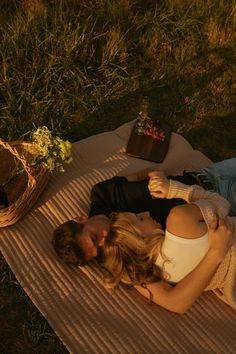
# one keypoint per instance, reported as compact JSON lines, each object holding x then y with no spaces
{"x":212,"y":205}
{"x":87,"y":317}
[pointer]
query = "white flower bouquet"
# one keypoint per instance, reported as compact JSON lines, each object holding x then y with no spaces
{"x":52,"y":152}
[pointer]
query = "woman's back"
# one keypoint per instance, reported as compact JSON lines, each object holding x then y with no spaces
{"x":185,"y":243}
{"x":183,"y":255}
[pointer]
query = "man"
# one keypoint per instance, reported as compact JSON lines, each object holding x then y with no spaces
{"x":81,"y":240}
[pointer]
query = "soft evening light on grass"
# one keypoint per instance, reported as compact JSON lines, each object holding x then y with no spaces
{"x":79,"y":67}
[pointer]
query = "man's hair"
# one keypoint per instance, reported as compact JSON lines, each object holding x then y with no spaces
{"x":65,"y":244}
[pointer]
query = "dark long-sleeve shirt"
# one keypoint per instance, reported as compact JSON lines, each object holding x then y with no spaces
{"x":119,"y":195}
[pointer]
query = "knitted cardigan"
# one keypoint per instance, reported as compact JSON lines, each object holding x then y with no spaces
{"x":212,"y":205}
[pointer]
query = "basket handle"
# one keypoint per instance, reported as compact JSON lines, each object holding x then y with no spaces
{"x":21,"y":158}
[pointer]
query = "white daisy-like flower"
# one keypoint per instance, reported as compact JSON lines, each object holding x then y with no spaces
{"x":52,"y":152}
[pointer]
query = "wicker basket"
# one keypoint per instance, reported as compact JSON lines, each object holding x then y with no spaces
{"x":24,"y":190}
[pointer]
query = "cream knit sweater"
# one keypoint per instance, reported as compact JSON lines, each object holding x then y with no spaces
{"x":212,"y":205}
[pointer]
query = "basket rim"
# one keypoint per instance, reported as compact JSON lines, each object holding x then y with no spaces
{"x":36,"y":181}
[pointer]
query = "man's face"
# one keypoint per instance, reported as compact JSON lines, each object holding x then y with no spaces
{"x":93,"y":235}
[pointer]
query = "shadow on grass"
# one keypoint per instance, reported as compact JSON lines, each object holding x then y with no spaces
{"x":216,"y":136}
{"x":178,"y":101}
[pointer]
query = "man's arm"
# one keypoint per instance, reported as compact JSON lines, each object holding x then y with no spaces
{"x":180,"y":298}
{"x":104,"y":197}
{"x":118,"y":194}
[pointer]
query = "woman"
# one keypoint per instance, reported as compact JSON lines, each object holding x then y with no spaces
{"x":138,"y":253}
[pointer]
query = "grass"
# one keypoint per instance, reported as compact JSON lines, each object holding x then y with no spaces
{"x":80,"y":67}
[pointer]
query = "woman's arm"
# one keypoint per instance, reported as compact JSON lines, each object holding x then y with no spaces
{"x":185,"y":293}
{"x":211,"y":204}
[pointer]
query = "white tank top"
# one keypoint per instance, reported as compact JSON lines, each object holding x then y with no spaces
{"x":183,"y":255}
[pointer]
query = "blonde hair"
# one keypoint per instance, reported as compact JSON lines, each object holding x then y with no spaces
{"x":129,"y":256}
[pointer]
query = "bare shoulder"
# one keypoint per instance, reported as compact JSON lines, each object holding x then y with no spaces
{"x":186,"y":221}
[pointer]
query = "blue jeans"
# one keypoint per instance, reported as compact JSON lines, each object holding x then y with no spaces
{"x":221,"y":177}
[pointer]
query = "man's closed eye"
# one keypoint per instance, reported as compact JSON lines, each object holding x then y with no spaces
{"x":94,"y":239}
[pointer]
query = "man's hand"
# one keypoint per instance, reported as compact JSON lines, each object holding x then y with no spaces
{"x":220,"y":236}
{"x":158,"y":184}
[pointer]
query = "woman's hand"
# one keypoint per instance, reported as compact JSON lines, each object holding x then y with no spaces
{"x":158,"y":184}
{"x":220,"y":237}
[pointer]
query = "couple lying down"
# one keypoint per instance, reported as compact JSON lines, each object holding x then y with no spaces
{"x":170,"y":237}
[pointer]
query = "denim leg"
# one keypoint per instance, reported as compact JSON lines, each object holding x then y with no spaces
{"x":222,"y":176}
{"x":224,"y":168}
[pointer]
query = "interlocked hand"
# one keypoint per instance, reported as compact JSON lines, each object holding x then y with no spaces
{"x":158,"y":184}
